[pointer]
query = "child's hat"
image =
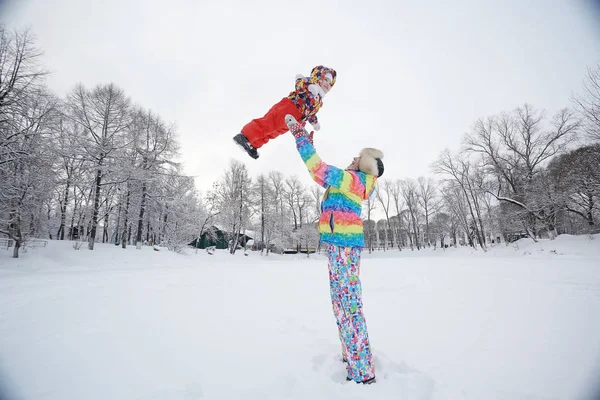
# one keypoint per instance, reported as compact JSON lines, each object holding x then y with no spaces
{"x":319,"y":73}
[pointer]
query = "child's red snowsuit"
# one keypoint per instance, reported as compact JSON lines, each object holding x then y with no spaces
{"x":300,"y":103}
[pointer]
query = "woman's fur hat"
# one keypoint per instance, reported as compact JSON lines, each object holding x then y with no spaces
{"x":370,"y":162}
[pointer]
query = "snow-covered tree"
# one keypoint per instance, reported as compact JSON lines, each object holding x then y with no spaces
{"x":429,"y":203}
{"x":369,"y":226}
{"x":575,"y":180}
{"x":463,"y":173}
{"x":409,"y":191}
{"x":155,"y":144}
{"x":515,"y":147}
{"x":26,"y":109}
{"x":103,"y":114}
{"x":234,"y":195}
{"x":183,"y":213}
{"x":383,"y":194}
{"x":588,"y":103}
{"x":397,"y":221}
{"x":307,"y":237}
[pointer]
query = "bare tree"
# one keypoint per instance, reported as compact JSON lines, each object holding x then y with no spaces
{"x":575,"y":178}
{"x":68,"y":151}
{"x":103,"y":113}
{"x":293,"y":193}
{"x":234,"y":195}
{"x":369,"y":228}
{"x":308,"y":237}
{"x":515,"y":147}
{"x":269,"y":192}
{"x":588,"y":103}
{"x":428,"y":201}
{"x":25,"y":111}
{"x":457,"y":169}
{"x":26,"y":182}
{"x":21,"y":78}
{"x":383,"y":194}
{"x":456,"y":202}
{"x":184,"y":210}
{"x":154,"y":141}
{"x":409,"y":193}
{"x":317,"y":198}
{"x":262,"y":191}
{"x":207,"y":215}
{"x":297,"y":201}
{"x":396,"y":195}
{"x":279,"y":222}
{"x":442,"y":227}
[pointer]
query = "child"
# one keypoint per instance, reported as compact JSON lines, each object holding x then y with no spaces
{"x":303,"y":104}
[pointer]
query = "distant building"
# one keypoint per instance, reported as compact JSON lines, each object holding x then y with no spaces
{"x":218,"y":238}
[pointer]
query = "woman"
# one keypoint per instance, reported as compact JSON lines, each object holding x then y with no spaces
{"x":341,"y":229}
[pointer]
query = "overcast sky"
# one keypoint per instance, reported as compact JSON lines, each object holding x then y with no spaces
{"x":412,"y":76}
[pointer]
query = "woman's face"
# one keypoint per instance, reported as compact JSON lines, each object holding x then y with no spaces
{"x":354,"y":164}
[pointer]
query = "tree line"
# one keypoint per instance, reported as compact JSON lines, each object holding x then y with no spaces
{"x":96,"y":166}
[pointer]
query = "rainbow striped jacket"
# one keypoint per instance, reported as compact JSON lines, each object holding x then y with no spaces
{"x":340,"y":222}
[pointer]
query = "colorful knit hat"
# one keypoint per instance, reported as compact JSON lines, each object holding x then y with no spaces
{"x":319,"y":72}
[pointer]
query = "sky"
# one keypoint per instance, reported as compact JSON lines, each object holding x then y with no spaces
{"x":412,"y":77}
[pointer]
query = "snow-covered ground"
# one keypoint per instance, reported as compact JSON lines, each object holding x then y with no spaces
{"x":518,"y":322}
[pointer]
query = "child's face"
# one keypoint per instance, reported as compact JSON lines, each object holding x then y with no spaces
{"x":325,"y":84}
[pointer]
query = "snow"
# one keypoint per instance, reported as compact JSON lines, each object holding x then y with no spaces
{"x":517,"y":322}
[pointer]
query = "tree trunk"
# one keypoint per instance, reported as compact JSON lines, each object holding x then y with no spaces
{"x":164,"y":230}
{"x":414,"y":224}
{"x":590,"y":209}
{"x":236,"y":231}
{"x":474,"y":218}
{"x":105,"y":229}
{"x":63,"y":212}
{"x":427,"y":239}
{"x":73,"y":216}
{"x":92,"y":237}
{"x":410,"y":236}
{"x":16,"y":248}
{"x":455,"y":237}
{"x":118,"y":226}
{"x":125,"y":219}
{"x":138,"y":238}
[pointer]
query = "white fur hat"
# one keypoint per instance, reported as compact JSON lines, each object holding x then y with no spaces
{"x":370,"y":162}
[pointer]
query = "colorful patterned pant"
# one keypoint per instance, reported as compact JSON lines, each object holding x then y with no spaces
{"x":346,"y":297}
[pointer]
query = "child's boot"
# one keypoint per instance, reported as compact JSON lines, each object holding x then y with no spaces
{"x":243,"y":142}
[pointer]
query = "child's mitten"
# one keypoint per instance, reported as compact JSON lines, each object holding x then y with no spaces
{"x":316,"y":90}
{"x":297,"y":128}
